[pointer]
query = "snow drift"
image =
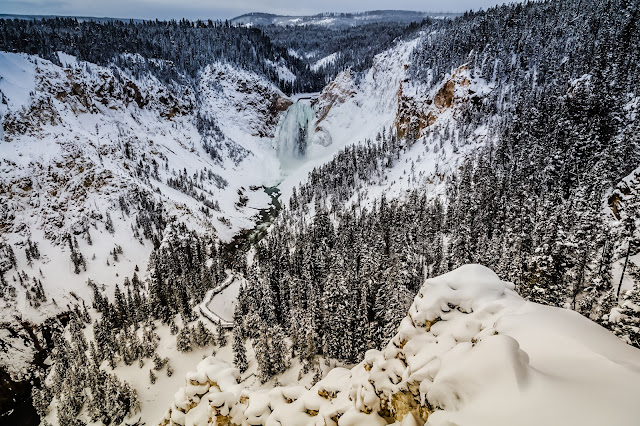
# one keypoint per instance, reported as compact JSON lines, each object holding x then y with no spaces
{"x":469,"y":352}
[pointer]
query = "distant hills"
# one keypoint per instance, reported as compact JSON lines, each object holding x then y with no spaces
{"x":329,"y":19}
{"x":339,"y":19}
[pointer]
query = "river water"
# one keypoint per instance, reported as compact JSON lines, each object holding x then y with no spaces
{"x":247,"y":237}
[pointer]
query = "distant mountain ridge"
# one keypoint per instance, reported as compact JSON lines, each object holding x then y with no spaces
{"x":335,"y":19}
{"x":79,"y":18}
{"x":329,"y":19}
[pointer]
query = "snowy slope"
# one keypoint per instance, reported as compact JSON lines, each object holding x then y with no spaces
{"x":469,"y":352}
{"x":431,"y":114}
{"x":84,"y":145}
{"x":323,"y":62}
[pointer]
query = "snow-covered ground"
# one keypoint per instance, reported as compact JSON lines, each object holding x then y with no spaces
{"x":223,"y":303}
{"x":323,"y":62}
{"x":154,"y":398}
{"x":469,"y":352}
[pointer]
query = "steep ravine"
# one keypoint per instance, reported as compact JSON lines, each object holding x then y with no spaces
{"x":16,"y":407}
{"x":15,"y":396}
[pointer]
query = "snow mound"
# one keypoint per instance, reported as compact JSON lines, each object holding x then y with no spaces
{"x":469,"y":352}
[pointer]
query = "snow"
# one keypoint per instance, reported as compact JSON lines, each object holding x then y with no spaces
{"x":156,"y":398}
{"x":66,"y":173}
{"x":14,"y":356}
{"x":17,"y":73}
{"x":293,"y":53}
{"x":224,"y":303}
{"x":59,"y":280}
{"x":216,"y":385}
{"x":627,"y":192}
{"x":476,"y":351}
{"x":323,"y":62}
{"x":67,"y":60}
{"x":284,"y":73}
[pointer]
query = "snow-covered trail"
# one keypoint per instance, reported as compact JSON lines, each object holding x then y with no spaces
{"x":219,"y":302}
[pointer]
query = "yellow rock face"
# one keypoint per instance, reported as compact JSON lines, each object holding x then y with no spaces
{"x":415,"y":115}
{"x":404,"y":403}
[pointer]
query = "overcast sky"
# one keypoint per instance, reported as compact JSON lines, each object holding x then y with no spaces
{"x":204,"y":9}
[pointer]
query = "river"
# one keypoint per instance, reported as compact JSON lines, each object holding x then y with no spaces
{"x":243,"y":240}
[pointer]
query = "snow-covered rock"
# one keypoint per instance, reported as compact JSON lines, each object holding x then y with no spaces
{"x":418,"y":110}
{"x":469,"y":352}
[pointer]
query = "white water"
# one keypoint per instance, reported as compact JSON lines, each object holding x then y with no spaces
{"x":294,"y":134}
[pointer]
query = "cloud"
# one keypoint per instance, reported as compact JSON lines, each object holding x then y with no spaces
{"x":204,"y":9}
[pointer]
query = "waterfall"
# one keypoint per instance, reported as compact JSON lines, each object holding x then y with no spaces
{"x":294,"y":133}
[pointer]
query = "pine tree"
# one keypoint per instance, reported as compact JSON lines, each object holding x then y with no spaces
{"x":183,"y":340}
{"x":279,"y":355}
{"x":221,"y":338}
{"x":108,"y":224}
{"x":624,"y":320}
{"x":262,"y":351}
{"x":239,"y":351}
{"x":202,"y":336}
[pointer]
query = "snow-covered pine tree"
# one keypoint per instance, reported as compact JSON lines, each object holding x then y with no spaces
{"x":239,"y":350}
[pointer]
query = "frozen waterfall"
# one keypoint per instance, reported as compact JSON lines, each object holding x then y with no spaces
{"x":294,"y":133}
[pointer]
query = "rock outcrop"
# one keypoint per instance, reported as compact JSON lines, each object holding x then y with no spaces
{"x":457,"y":92}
